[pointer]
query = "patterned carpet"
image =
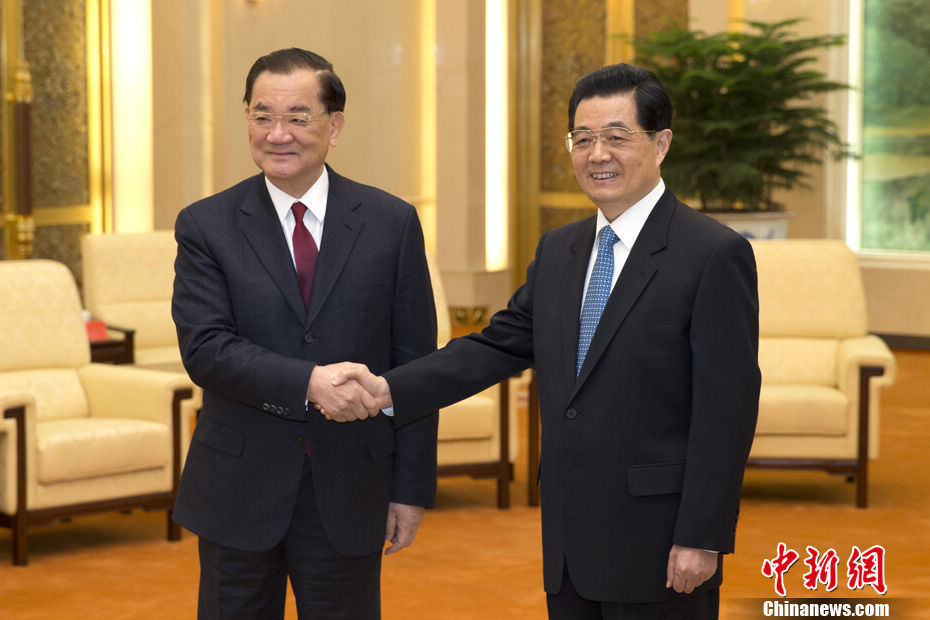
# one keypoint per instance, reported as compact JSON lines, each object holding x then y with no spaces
{"x":472,"y":561}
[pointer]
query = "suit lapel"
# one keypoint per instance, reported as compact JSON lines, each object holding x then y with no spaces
{"x":340,"y":232}
{"x":639,"y":269}
{"x":262,"y":230}
{"x":573,"y":273}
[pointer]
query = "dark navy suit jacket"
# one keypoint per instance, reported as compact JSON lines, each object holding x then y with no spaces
{"x":646,"y":447}
{"x":248,"y":341}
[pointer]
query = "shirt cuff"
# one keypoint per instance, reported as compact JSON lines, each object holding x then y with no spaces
{"x":388,"y":411}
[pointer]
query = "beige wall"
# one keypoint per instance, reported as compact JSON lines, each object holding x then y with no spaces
{"x":181,"y":127}
{"x":374,"y":49}
{"x":392,"y":74}
{"x":202,"y":51}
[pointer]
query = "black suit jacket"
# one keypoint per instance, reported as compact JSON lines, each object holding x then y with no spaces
{"x":646,"y":447}
{"x":246,"y":338}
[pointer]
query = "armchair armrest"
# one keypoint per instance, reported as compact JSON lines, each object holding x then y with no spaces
{"x":864,"y":365}
{"x":131,"y":392}
{"x":870,"y":350}
{"x":127,"y":332}
{"x":16,"y":454}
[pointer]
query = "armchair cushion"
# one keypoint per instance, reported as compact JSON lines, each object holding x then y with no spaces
{"x":789,"y":361}
{"x":473,"y":418}
{"x":92,"y":447}
{"x":802,"y":410}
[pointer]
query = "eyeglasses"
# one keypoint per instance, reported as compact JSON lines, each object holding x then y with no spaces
{"x":583,"y":140}
{"x":292,"y":121}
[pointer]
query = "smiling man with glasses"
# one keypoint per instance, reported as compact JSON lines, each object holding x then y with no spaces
{"x":642,"y":323}
{"x":276,"y":277}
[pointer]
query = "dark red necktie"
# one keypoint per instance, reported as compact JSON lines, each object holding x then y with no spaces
{"x":305,"y":252}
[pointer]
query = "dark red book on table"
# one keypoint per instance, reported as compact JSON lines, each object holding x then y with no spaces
{"x":96,"y":331}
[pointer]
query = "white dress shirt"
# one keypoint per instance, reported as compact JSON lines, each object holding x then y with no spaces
{"x":627,"y":226}
{"x":315,"y":201}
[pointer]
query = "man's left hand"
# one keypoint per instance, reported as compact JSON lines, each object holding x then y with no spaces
{"x":402,"y":524}
{"x":689,"y":567}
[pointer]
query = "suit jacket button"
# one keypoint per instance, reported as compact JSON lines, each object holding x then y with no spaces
{"x":571,"y":414}
{"x":266,"y":407}
{"x":308,"y":338}
{"x":280,"y":411}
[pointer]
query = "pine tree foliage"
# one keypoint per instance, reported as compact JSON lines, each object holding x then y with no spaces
{"x":747,"y":115}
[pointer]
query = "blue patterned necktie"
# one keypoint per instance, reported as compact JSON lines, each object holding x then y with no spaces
{"x":598,"y":291}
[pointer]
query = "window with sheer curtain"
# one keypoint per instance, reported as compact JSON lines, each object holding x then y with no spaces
{"x":896,"y":117}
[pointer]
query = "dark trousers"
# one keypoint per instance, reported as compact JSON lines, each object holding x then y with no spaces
{"x":568,"y":605}
{"x":246,"y":585}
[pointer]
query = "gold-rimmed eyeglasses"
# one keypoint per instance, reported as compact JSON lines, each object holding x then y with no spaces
{"x":583,"y":140}
{"x":292,"y":121}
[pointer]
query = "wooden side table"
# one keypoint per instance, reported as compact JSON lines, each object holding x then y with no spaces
{"x":114,"y":350}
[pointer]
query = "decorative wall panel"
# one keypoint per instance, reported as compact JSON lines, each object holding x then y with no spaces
{"x":61,"y":243}
{"x":660,"y":15}
{"x":573,"y":43}
{"x":54,"y":33}
{"x":552,"y":217}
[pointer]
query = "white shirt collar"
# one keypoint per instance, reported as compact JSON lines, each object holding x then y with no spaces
{"x":314,"y":198}
{"x":628,"y":224}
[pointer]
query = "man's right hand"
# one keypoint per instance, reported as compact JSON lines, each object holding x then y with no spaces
{"x":376,"y":389}
{"x":345,"y":400}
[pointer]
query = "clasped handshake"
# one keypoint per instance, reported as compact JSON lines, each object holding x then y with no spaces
{"x":347,"y":391}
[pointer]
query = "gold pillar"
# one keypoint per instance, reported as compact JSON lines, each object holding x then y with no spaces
{"x":559,"y":41}
{"x":18,"y":223}
{"x":19,"y":212}
{"x":55,"y":188}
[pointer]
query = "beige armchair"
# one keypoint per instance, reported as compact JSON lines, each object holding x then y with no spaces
{"x":821,"y":371}
{"x":75,"y":437}
{"x":128,"y":280}
{"x":477,"y":435}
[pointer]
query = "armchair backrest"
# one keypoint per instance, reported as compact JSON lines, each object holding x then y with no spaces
{"x":809,"y":288}
{"x":128,"y":280}
{"x":43,"y":335}
{"x":41,"y":325}
{"x":810,"y":298}
{"x":443,"y":322}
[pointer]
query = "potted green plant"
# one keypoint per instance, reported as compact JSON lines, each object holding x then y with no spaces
{"x":746,"y":120}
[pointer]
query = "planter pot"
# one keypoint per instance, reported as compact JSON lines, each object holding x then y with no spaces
{"x":755,"y":225}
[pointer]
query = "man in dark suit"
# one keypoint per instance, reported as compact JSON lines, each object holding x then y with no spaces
{"x":642,"y":323}
{"x":275,"y":277}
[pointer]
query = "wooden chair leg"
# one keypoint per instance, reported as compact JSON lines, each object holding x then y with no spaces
{"x":862,"y":475}
{"x":174,"y":530}
{"x":503,"y":493}
{"x":504,"y":469}
{"x":19,"y":523}
{"x":20,"y":541}
{"x":533,"y":443}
